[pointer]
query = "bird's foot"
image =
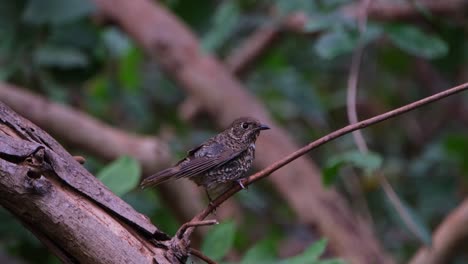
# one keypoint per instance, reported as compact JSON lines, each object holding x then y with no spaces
{"x":210,"y":204}
{"x":241,"y":184}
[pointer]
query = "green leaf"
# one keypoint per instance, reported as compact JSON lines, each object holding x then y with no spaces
{"x":415,"y":42}
{"x":129,"y":72}
{"x":116,"y":42}
{"x":9,"y":18}
{"x":456,"y":149}
{"x":219,"y":240}
{"x":121,"y":176}
{"x":56,"y":11}
{"x":321,"y":22}
{"x":343,"y":38}
{"x":368,"y":162}
{"x":335,"y":43}
{"x":62,"y":57}
{"x":286,"y":7}
{"x":330,"y":173}
{"x":310,"y":255}
{"x":262,"y":252}
{"x":225,"y":20}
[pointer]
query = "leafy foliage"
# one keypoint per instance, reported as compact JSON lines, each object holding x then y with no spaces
{"x":121,"y":176}
{"x":56,"y":11}
{"x":56,"y":49}
{"x":219,"y":240}
{"x":367,"y":162}
{"x":414,"y":41}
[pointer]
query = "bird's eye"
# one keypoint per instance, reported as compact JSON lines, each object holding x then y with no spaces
{"x":245,"y":125}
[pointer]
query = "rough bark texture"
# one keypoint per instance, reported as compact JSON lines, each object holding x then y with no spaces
{"x":105,"y":142}
{"x":204,"y":78}
{"x":65,"y":206}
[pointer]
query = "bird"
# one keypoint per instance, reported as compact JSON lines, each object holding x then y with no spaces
{"x":218,"y":162}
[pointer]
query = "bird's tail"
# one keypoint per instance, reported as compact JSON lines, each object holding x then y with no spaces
{"x":160,"y":177}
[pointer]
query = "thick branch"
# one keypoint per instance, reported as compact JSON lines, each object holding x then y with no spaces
{"x":67,"y":207}
{"x":452,"y":233}
{"x":88,"y":134}
{"x":177,"y":50}
{"x":85,"y":132}
{"x":250,"y":49}
{"x":327,"y":138}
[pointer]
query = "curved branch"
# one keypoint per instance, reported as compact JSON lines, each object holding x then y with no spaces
{"x":449,"y":235}
{"x":317,"y":143}
{"x":177,"y":51}
{"x":93,"y":136}
{"x":85,"y":132}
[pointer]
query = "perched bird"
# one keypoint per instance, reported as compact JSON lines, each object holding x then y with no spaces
{"x":218,"y":162}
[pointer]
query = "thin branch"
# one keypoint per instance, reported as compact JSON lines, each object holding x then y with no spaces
{"x":184,"y":227}
{"x":336,"y":134}
{"x":97,"y":138}
{"x":398,"y":205}
{"x":354,"y":78}
{"x":352,"y":116}
{"x":351,"y":107}
{"x":201,"y":256}
{"x":84,"y":131}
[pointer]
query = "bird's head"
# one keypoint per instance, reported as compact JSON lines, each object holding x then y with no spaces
{"x":246,"y":129}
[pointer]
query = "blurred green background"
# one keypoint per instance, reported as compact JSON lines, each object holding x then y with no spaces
{"x":60,"y":50}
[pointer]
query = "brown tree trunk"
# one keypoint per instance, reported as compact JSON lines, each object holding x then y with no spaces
{"x":66,"y":207}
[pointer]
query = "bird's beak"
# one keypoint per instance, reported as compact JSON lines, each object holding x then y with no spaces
{"x":263,"y":127}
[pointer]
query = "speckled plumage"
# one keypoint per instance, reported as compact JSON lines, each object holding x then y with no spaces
{"x":219,"y":161}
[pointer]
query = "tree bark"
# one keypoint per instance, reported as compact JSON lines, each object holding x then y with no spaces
{"x":88,"y":134}
{"x":66,"y":207}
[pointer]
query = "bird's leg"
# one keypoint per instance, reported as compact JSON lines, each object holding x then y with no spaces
{"x":209,"y":197}
{"x":211,"y":201}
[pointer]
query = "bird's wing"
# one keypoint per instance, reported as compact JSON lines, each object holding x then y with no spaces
{"x":199,"y":160}
{"x":208,"y":159}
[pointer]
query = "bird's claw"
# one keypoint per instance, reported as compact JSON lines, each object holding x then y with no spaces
{"x":241,"y":184}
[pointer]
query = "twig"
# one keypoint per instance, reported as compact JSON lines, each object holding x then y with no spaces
{"x":351,"y":104}
{"x":99,"y":139}
{"x":178,"y":54}
{"x":354,"y":77}
{"x":184,"y":227}
{"x":398,"y":205}
{"x":202,"y":256}
{"x":358,"y":137}
{"x":331,"y":136}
